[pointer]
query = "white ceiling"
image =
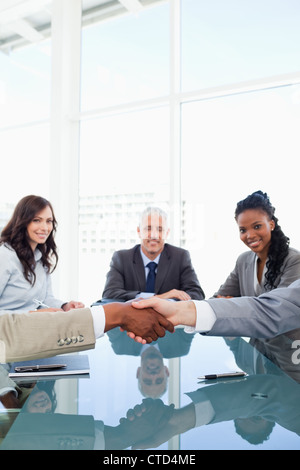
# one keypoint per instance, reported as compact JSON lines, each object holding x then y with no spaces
{"x":28,"y":21}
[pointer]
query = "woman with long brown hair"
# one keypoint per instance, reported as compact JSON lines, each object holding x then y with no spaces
{"x":28,"y":256}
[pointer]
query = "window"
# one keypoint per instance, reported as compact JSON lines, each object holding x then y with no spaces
{"x":125,"y":165}
{"x":233,"y":41}
{"x":25,"y":80}
{"x":236,"y":145}
{"x":126,"y":59}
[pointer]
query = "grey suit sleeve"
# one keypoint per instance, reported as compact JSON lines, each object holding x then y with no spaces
{"x":115,"y":281}
{"x":266,"y":316}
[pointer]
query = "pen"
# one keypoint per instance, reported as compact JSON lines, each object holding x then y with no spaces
{"x":225,"y":375}
{"x":40,"y":368}
{"x":40,"y":304}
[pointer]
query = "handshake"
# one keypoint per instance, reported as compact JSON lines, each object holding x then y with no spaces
{"x":147,"y":320}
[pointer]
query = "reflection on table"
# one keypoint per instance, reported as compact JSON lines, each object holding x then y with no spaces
{"x":260,"y":410}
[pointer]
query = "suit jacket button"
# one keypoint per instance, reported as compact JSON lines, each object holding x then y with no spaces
{"x":74,"y":339}
{"x":80,"y":338}
{"x":60,"y":342}
{"x":68,"y":341}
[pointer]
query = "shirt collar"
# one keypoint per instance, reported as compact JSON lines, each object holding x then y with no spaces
{"x":146,"y":260}
{"x":37,"y":254}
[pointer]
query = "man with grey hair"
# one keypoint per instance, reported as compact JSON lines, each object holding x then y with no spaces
{"x":152,"y":267}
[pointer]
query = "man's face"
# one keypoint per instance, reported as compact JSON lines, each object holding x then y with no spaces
{"x":153,"y":232}
{"x":152,"y":374}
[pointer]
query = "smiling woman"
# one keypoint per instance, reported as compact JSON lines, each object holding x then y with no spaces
{"x":28,"y":255}
{"x":271,"y":263}
{"x":39,"y":229}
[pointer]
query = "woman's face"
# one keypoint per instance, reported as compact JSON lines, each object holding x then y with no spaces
{"x":39,"y":229}
{"x":255,"y":230}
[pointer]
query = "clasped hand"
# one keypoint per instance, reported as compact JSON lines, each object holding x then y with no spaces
{"x":183,"y":312}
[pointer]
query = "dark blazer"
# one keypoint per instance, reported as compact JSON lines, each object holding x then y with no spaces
{"x":126,"y":277}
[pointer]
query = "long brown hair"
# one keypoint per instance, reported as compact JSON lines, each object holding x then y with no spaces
{"x":15,"y":235}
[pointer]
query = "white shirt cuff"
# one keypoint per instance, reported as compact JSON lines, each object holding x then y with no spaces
{"x":98,"y":315}
{"x":205,"y":318}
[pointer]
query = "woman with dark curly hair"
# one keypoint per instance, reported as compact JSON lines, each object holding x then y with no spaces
{"x":28,"y":255}
{"x":271,"y":263}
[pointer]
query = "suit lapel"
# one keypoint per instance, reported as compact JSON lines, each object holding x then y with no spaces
{"x":163,"y":268}
{"x":249,"y":274}
{"x":138,"y":269}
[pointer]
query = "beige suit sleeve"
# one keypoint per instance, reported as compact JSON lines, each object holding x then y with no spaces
{"x":43,"y":334}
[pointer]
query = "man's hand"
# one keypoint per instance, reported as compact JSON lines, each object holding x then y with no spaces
{"x":174,"y":294}
{"x":144,"y":421}
{"x":179,"y":313}
{"x":147,"y":324}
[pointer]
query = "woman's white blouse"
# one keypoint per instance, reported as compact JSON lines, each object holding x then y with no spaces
{"x":16,"y":293}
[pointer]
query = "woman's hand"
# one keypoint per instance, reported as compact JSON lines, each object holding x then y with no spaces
{"x":72,"y":304}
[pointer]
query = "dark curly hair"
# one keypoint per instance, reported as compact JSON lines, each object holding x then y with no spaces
{"x":15,"y":235}
{"x":279,"y":246}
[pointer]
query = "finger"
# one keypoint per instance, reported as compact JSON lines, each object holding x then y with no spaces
{"x":148,"y":339}
{"x":186,"y":296}
{"x":139,"y":339}
{"x":165,"y":323}
{"x":160,"y":331}
{"x":130,"y":415}
{"x":138,"y":410}
{"x":144,"y":303}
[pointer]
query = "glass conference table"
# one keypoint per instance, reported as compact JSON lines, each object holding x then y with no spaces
{"x":179,"y":412}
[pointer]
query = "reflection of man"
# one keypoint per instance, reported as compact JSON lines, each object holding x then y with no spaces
{"x":255,"y":404}
{"x":152,"y":374}
{"x":173,"y":276}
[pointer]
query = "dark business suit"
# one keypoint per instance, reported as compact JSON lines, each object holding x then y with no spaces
{"x":126,"y":277}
